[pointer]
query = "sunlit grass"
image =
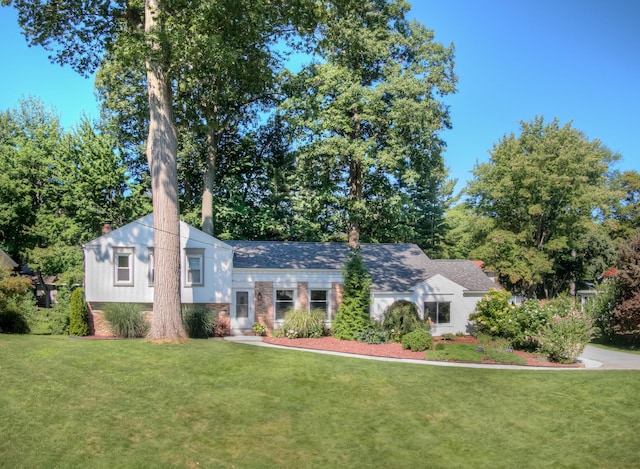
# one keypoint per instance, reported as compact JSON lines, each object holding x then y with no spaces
{"x":83,"y":403}
{"x":473,"y":353}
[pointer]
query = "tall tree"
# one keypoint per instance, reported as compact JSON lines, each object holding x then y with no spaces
{"x":626,"y":315}
{"x":542,"y":192}
{"x":625,"y":218}
{"x":367,"y":119}
{"x":78,"y":33}
{"x":226,"y":83}
{"x":162,"y":147}
{"x":30,"y":140}
{"x":57,"y":187}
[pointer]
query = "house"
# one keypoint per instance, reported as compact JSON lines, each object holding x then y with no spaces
{"x":257,"y":281}
{"x":6,"y":262}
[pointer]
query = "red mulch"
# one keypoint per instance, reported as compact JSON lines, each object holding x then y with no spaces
{"x":390,"y":350}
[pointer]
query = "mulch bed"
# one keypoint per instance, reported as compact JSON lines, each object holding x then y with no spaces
{"x":393,"y":350}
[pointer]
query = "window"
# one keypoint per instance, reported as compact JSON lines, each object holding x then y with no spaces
{"x":284,"y":302}
{"x":318,"y":300}
{"x":123,"y":266}
{"x":152,"y":266}
{"x":242,"y":304}
{"x":438,"y":312}
{"x":194,"y":267}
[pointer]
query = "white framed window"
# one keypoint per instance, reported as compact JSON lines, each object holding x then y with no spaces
{"x":194,"y":267}
{"x":438,"y":311}
{"x":283,"y":302}
{"x":151,"y":260}
{"x":242,"y":304}
{"x":123,"y":266}
{"x":319,"y":299}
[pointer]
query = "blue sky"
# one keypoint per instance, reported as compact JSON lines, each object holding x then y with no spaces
{"x":575,"y":60}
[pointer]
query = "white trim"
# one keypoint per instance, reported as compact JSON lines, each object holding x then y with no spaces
{"x":123,"y":252}
{"x":294,"y":297}
{"x":194,"y":253}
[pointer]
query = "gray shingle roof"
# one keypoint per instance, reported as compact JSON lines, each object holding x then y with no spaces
{"x":394,"y":267}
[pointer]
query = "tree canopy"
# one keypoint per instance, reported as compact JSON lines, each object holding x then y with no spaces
{"x":58,"y":187}
{"x":367,"y":117}
{"x":543,"y":193}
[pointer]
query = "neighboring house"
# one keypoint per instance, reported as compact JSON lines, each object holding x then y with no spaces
{"x":257,"y":281}
{"x":6,"y":262}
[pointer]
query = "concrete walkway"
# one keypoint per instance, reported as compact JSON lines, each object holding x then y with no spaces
{"x":593,"y":358}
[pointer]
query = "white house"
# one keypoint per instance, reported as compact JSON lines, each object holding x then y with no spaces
{"x":257,"y":281}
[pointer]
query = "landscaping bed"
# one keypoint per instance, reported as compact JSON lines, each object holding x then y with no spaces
{"x":394,"y":350}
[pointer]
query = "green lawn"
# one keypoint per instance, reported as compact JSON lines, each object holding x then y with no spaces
{"x":81,"y":403}
{"x":616,"y":347}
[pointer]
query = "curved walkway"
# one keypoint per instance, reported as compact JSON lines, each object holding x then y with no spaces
{"x":593,"y":358}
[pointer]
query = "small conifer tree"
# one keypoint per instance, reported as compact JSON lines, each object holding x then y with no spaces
{"x":353,"y":315}
{"x":78,"y":314}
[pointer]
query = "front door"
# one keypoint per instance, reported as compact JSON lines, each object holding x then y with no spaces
{"x":242,"y":311}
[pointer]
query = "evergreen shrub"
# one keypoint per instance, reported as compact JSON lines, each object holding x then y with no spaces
{"x":353,"y":316}
{"x":78,"y":314}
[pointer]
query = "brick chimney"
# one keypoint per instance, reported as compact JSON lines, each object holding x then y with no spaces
{"x":106,"y":228}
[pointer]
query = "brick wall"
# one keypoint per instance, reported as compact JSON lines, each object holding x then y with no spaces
{"x":263,"y":303}
{"x":303,"y":295}
{"x":99,"y":326}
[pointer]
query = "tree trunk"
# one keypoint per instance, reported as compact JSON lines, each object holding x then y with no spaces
{"x":166,"y":323}
{"x":209,"y":180}
{"x":356,"y":184}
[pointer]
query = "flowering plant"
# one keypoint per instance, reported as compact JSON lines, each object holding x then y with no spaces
{"x":259,"y":328}
{"x":564,"y":337}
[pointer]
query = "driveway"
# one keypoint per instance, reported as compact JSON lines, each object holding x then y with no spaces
{"x":610,"y":360}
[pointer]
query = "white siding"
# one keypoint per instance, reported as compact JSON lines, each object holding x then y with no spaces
{"x":436,"y":289}
{"x":441,"y":289}
{"x":99,"y":267}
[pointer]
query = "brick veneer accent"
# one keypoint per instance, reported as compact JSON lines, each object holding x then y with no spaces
{"x":303,"y":295}
{"x":263,"y":303}
{"x":99,"y":326}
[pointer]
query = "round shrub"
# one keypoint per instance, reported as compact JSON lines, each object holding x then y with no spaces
{"x":400,"y":318}
{"x":563,"y":339}
{"x":12,"y":321}
{"x":15,"y":296}
{"x":417,"y":340}
{"x":78,"y":314}
{"x":198,"y":321}
{"x":495,"y":315}
{"x":126,"y":320}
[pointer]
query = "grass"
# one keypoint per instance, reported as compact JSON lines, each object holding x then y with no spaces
{"x":131,"y":403}
{"x":615,"y":347}
{"x":472,"y":353}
